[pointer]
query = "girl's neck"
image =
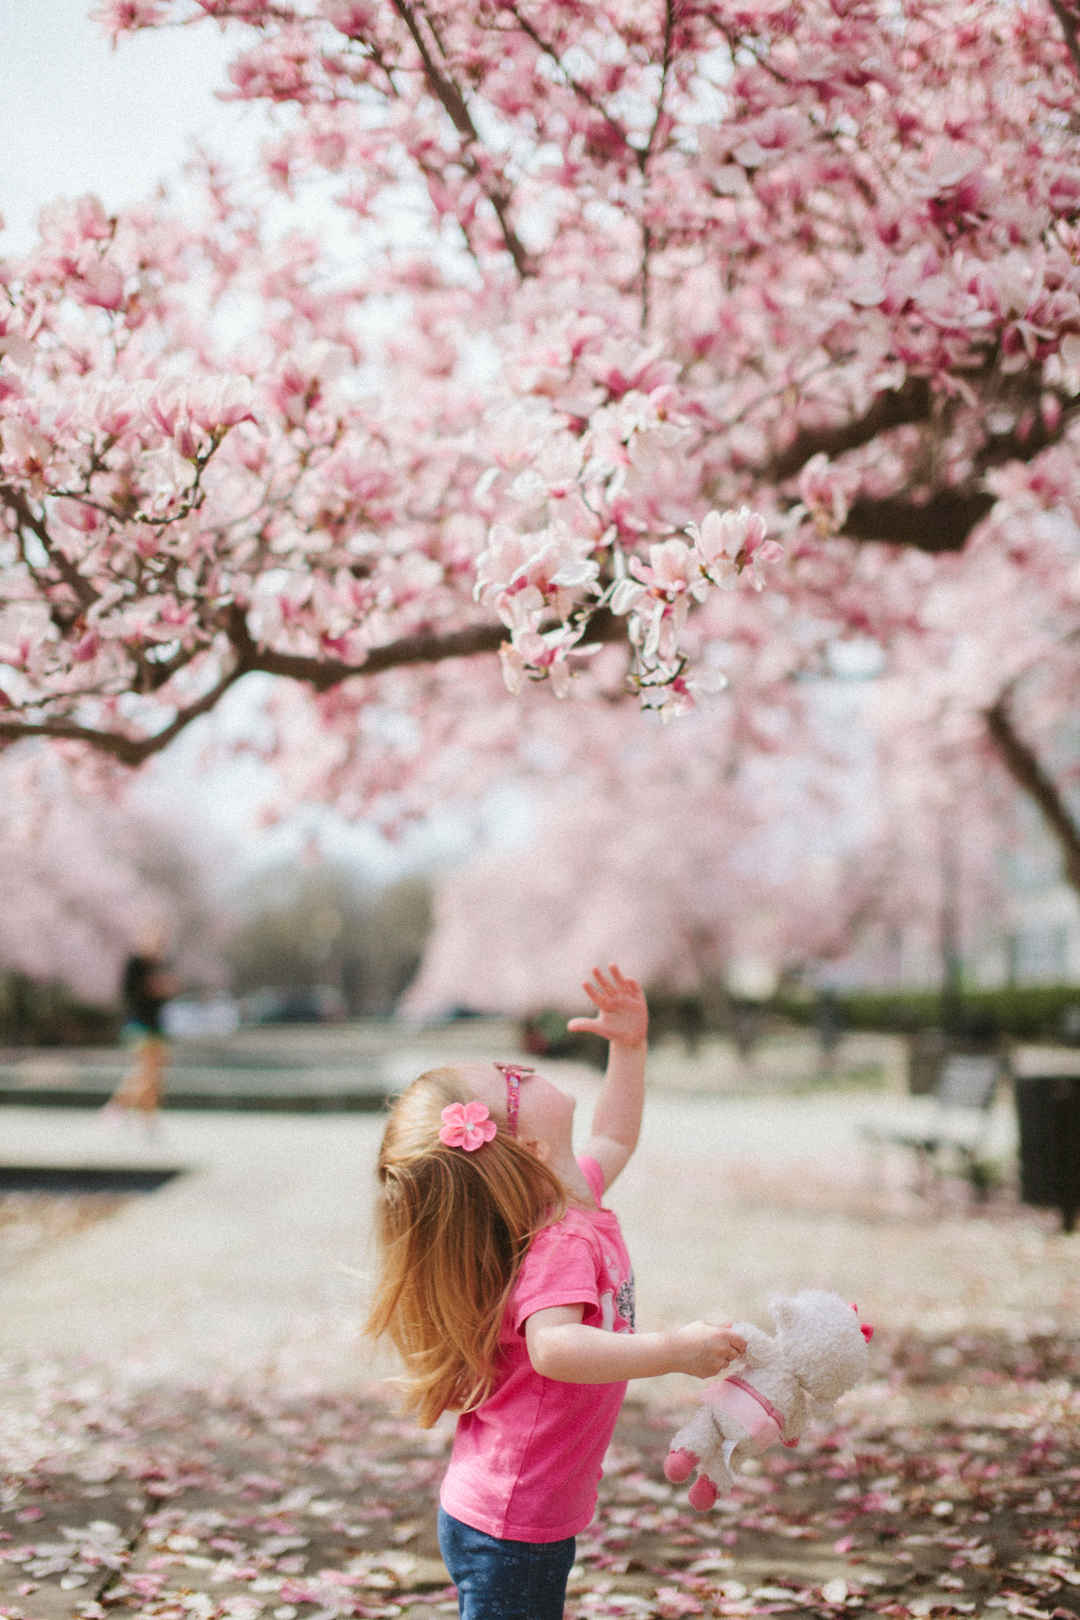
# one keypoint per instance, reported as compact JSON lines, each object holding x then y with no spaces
{"x":573,"y":1179}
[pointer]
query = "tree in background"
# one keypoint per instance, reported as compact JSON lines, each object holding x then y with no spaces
{"x":322,"y":925}
{"x":643,"y":307}
{"x":710,"y":863}
{"x":83,"y":879}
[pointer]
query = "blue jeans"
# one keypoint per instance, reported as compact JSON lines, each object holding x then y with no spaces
{"x":505,"y":1580}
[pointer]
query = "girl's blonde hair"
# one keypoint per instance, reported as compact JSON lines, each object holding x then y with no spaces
{"x":452,"y":1229}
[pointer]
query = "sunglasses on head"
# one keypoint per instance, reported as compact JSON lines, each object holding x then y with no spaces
{"x":513,"y":1073}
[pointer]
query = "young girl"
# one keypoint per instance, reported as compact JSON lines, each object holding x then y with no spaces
{"x":507,"y":1288}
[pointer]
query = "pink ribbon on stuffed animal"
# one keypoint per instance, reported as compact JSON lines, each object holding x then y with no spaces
{"x":766,"y":1405}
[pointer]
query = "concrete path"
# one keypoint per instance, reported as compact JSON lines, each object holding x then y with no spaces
{"x":255,"y":1260}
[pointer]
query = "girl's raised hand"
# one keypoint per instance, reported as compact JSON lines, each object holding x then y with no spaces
{"x":621,"y":1011}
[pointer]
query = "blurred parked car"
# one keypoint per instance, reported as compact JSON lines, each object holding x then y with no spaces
{"x":300,"y":1004}
{"x":188,"y":1017}
{"x":545,"y":1034}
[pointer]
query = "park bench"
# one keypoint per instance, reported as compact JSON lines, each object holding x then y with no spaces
{"x":948,"y":1131}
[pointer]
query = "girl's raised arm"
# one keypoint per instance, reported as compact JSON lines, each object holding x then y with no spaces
{"x":622,"y":1019}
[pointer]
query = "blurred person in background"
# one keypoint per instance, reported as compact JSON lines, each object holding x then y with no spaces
{"x":147,"y":984}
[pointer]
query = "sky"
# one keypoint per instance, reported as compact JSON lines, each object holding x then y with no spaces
{"x":77,"y":115}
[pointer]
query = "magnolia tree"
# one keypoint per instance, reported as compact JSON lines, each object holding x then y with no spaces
{"x":84,"y":883}
{"x":637,"y":348}
{"x":706,"y":858}
{"x":691,"y":888}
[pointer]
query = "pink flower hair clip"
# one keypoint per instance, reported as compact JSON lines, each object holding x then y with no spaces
{"x":466,"y":1125}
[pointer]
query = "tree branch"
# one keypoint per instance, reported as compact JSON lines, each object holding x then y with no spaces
{"x":126,"y":750}
{"x":661,"y":97}
{"x":27,"y":518}
{"x":320,"y":673}
{"x":945,"y":520}
{"x":1068,"y":20}
{"x":568,"y":79}
{"x":645,"y":154}
{"x":942,"y":523}
{"x":1032,"y":780}
{"x":456,"y":108}
{"x":432,"y":648}
{"x":912,"y":405}
{"x":900,"y":407}
{"x":324,"y":673}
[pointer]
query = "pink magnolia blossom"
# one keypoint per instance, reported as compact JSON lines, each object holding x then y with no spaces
{"x":123,"y":16}
{"x":670,"y":570}
{"x":729,"y":543}
{"x":827,"y":491}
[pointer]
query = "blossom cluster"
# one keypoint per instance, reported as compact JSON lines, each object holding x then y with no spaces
{"x":554,"y":577}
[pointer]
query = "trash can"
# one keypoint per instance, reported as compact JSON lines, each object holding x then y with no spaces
{"x":1048,"y":1114}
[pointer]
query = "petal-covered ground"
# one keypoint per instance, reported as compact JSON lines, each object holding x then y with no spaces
{"x":932,"y":1498}
{"x":234,"y":1456}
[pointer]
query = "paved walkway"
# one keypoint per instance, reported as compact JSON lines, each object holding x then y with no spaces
{"x":256,"y":1256}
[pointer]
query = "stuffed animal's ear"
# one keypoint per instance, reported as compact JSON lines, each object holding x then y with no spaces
{"x":865,"y":1328}
{"x":782,"y":1307}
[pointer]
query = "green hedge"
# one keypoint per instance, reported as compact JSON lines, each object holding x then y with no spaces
{"x":49,"y":1014}
{"x":1025,"y":1012}
{"x":1048,"y":1012}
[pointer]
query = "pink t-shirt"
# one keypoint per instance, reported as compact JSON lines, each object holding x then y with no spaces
{"x":525,"y":1465}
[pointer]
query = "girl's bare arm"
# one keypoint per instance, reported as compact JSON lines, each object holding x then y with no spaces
{"x":562,"y":1347}
{"x":622,"y":1019}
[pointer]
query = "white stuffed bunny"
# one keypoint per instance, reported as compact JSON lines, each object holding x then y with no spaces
{"x":817,"y":1354}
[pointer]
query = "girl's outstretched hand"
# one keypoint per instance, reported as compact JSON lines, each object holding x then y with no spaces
{"x":703,"y":1349}
{"x":621,"y":1011}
